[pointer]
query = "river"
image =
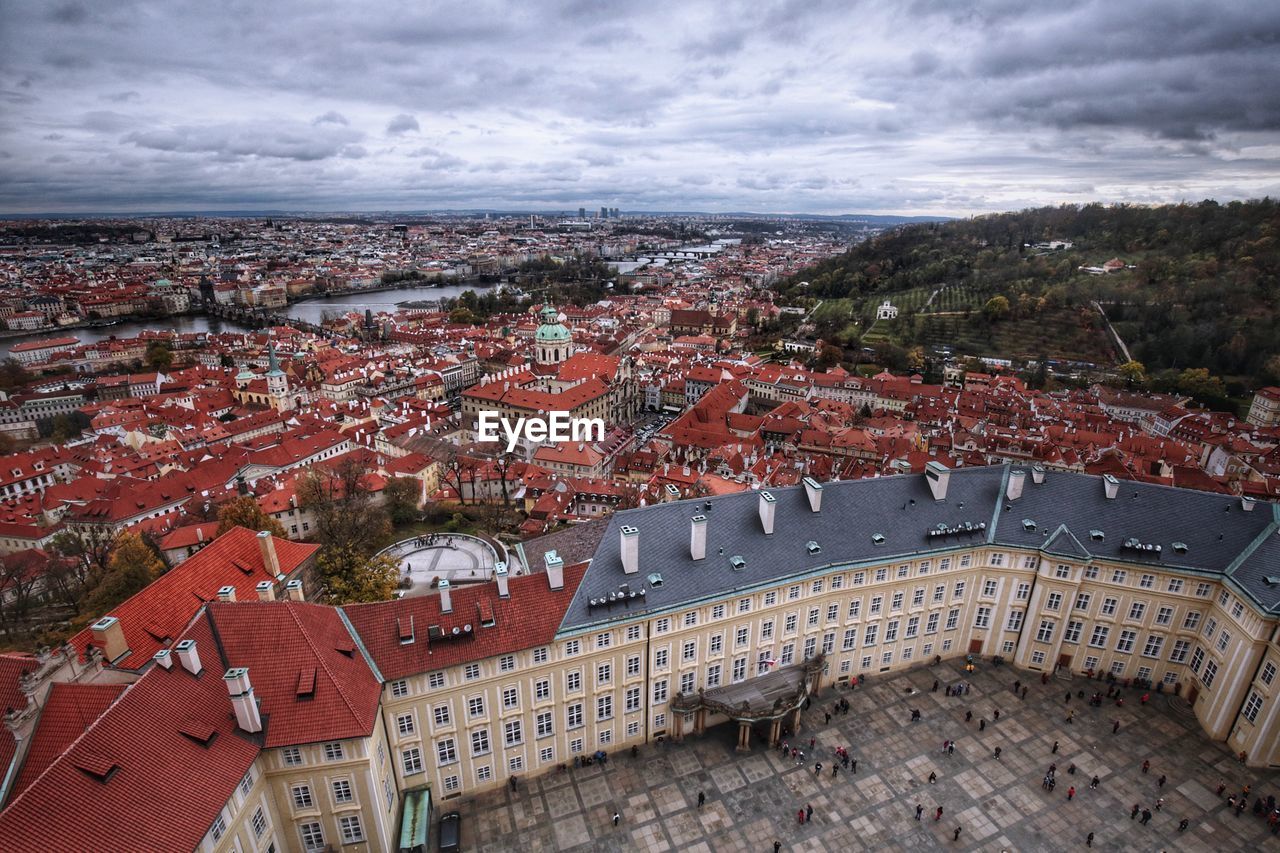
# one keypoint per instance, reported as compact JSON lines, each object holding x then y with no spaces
{"x":311,"y":310}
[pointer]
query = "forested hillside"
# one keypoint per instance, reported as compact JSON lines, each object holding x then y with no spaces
{"x":1198,"y":287}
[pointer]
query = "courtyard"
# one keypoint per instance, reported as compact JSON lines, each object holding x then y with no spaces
{"x":457,"y":557}
{"x":999,"y":805}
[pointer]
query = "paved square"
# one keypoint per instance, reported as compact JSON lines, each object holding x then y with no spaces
{"x":999,"y":805}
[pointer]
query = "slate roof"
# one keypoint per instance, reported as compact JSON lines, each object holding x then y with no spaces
{"x":1215,"y":529}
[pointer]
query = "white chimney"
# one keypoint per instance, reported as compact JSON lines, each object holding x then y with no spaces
{"x":1111,"y":485}
{"x":446,"y":597}
{"x":266,"y":591}
{"x":226,"y":593}
{"x":164,"y":658}
{"x":1246,"y":504}
{"x":246,"y":707}
{"x":108,"y":634}
{"x":768,"y":503}
{"x":813,"y":490}
{"x":1037,"y":474}
{"x":1014,"y":490}
{"x":500,"y":575}
{"x":937,"y":476}
{"x":555,"y":570}
{"x":630,"y":546}
{"x":698,"y":537}
{"x":269,"y":559}
{"x":293,"y":589}
{"x":188,"y":656}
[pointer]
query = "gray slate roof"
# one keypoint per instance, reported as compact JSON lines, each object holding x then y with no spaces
{"x":1220,"y":537}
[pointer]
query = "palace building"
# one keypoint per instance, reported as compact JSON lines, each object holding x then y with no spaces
{"x":309,"y":725}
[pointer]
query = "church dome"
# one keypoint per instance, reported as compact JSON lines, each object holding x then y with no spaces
{"x":551,"y":330}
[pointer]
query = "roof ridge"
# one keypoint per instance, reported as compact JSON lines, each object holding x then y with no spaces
{"x":306,"y":634}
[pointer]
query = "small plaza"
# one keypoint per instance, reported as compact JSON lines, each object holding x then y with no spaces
{"x":752,"y":798}
{"x":456,"y":557}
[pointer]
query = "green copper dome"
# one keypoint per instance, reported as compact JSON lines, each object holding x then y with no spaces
{"x":551,"y":331}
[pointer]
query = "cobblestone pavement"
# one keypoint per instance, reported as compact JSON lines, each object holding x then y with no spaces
{"x":1000,"y":805}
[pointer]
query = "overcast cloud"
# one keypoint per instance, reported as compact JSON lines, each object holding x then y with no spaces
{"x":797,"y":105}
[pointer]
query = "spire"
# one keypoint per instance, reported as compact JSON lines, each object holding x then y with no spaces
{"x":273,"y":365}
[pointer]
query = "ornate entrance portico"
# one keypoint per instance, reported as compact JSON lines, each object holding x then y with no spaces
{"x":776,"y":697}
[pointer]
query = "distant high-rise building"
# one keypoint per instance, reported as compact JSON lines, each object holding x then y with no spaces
{"x":582,"y":213}
{"x":604,"y":213}
{"x":613,"y":214}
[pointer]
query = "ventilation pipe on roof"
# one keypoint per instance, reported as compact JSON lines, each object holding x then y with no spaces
{"x":109,"y":635}
{"x":164,"y":658}
{"x":446,"y":596}
{"x":189,"y":657}
{"x":768,"y":503}
{"x":246,"y":707}
{"x":813,"y":490}
{"x":1014,"y":490}
{"x":629,"y":543}
{"x":698,"y":537}
{"x":226,"y":593}
{"x":270,"y":560}
{"x":266,"y":591}
{"x":293,"y":589}
{"x":1111,"y":486}
{"x":1246,"y":504}
{"x":500,"y":575}
{"x":1037,"y":474}
{"x":938,"y":476}
{"x":555,"y":570}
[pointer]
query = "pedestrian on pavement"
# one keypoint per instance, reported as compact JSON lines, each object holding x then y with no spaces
{"x":1222,"y":786}
{"x":817,"y":768}
{"x":1159,"y":803}
{"x":1024,"y":693}
{"x":982,"y":725}
{"x":702,"y":798}
{"x":951,"y":748}
{"x":1134,"y":813}
{"x":933,"y":777}
{"x":1017,"y":685}
{"x":1240,"y":806}
{"x":835,"y":769}
{"x":777,"y":845}
{"x":1071,"y":716}
{"x":1146,"y":765}
{"x":1055,"y":748}
{"x":1160,"y":782}
{"x":1071,"y":792}
{"x":967,"y":687}
{"x":854,"y":762}
{"x":937,"y":816}
{"x":1068,"y":699}
{"x":997,"y":753}
{"x":616,"y":817}
{"x":812,"y":741}
{"x":1231,"y":801}
{"x":935,"y":686}
{"x":956,"y":836}
{"x":828,"y":715}
{"x":948,"y":689}
{"x":968,"y":716}
{"x":1094,"y":783}
{"x":1182,"y":825}
{"x":919,"y":810}
{"x":808,"y":812}
{"x":1115,"y":727}
{"x":1146,"y":817}
{"x":800,"y":816}
{"x":997,"y":714}
{"x":1088,"y":842}
{"x":1053,"y":783}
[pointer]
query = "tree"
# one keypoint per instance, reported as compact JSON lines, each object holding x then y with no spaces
{"x":1133,"y":372}
{"x":351,"y":576}
{"x":400,"y":499}
{"x":997,"y":308}
{"x":339,"y":499}
{"x":13,"y":374}
{"x":245,"y":511}
{"x":1197,"y":382}
{"x":159,"y":356}
{"x":132,"y":566}
{"x":829,"y":356}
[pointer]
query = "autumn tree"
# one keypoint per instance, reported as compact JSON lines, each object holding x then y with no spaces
{"x":245,"y":511}
{"x":133,"y":565}
{"x":344,"y":510}
{"x":400,"y":499}
{"x":997,"y":308}
{"x":350,"y":575}
{"x":159,"y":357}
{"x":1133,"y":372}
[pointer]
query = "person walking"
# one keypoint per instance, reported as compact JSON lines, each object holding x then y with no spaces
{"x":919,"y":810}
{"x":1146,"y":817}
{"x":996,"y":715}
{"x":1115,"y":727}
{"x":1071,"y":792}
{"x":817,"y":768}
{"x":1182,"y":825}
{"x":812,"y":741}
{"x":1222,"y":786}
{"x":1024,"y":694}
{"x":777,"y":846}
{"x":935,"y":686}
{"x":1146,"y":765}
{"x":853,"y":765}
{"x":1159,"y":804}
{"x":835,"y":770}
{"x":933,"y":777}
{"x":1055,"y":748}
{"x":956,"y":835}
{"x":997,"y":753}
{"x":982,"y":724}
{"x":1088,"y":841}
{"x":808,"y":812}
{"x":1136,"y":808}
{"x":800,"y":816}
{"x":951,"y":748}
{"x":616,"y":817}
{"x":702,"y":799}
{"x":968,"y":716}
{"x":1094,"y":782}
{"x":937,"y":816}
{"x":828,"y":716}
{"x":1160,"y":782}
{"x":1071,"y":715}
{"x":1068,"y":699}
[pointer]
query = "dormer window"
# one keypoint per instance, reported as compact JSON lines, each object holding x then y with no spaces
{"x":1097,"y":535}
{"x":877,"y":538}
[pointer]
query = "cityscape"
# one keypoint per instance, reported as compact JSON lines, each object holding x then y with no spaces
{"x":682,"y":429}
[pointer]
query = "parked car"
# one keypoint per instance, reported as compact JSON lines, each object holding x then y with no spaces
{"x":450,"y":832}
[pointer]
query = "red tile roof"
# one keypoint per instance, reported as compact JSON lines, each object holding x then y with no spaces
{"x":69,"y":710}
{"x":530,"y":617}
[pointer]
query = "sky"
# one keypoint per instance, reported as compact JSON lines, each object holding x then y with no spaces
{"x":807,"y":106}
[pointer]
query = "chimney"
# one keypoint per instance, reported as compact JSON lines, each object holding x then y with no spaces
{"x":1037,"y":474}
{"x":500,"y":575}
{"x":226,"y":593}
{"x":293,"y":589}
{"x":1111,"y":485}
{"x":446,"y":597}
{"x":1014,"y":489}
{"x":630,"y":546}
{"x":767,"y":505}
{"x":266,"y":591}
{"x":164,"y":658}
{"x":1246,"y":504}
{"x":199,"y":534}
{"x":555,"y":570}
{"x":109,"y":635}
{"x":937,"y":476}
{"x":698,"y":537}
{"x":246,"y":707}
{"x":189,"y":657}
{"x":813,"y":490}
{"x":267,"y":545}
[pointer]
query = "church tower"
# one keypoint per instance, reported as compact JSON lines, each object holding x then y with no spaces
{"x":277,"y":381}
{"x":553,"y":343}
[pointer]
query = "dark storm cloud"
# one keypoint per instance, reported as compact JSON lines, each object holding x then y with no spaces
{"x":822,"y":105}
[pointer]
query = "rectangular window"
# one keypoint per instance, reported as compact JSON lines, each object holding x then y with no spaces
{"x":573,"y":716}
{"x":259,"y":823}
{"x":542,"y":689}
{"x":1015,"y":621}
{"x":1125,"y":643}
{"x":989,"y":588}
{"x":713,"y":675}
{"x":352,"y":831}
{"x":850,"y":639}
{"x":691,"y":619}
{"x":475,"y":706}
{"x":302,"y":797}
{"x":573,"y":647}
{"x":1223,"y":597}
{"x":958,"y":590}
{"x":837,"y":582}
{"x":506,"y":663}
{"x":717,"y":644}
{"x":246,"y":783}
{"x":1045,"y":633}
{"x":452,"y":784}
{"x":833,"y":612}
{"x":717,"y":611}
{"x":742,"y":636}
{"x":1191,"y":621}
{"x":855,"y":608}
{"x":511,"y":696}
{"x":982,"y":619}
{"x":633,"y":633}
{"x":446,"y":751}
{"x":882,"y":575}
{"x":484,"y":774}
{"x":543,"y":654}
{"x":1175,"y":585}
{"x":605,"y":640}
{"x":404,"y":723}
{"x":544,"y":726}
{"x":1072,"y":634}
{"x":333,"y":752}
{"x":604,"y":708}
{"x":1024,"y":591}
{"x":965,"y":561}
{"x":1237,"y":609}
{"x":924,"y":567}
{"x":1137,"y":610}
{"x":292,"y":756}
{"x":788,"y":654}
{"x":1268,"y":673}
{"x":312,"y":836}
{"x":771,"y":597}
{"x":480,"y":742}
{"x":1252,"y":706}
{"x":1147,"y":581}
{"x":1082,"y":600}
{"x":1180,"y":649}
{"x":876,"y":603}
{"x":1091,"y":573}
{"x":938,"y":592}
{"x":1037,"y":657}
{"x":660,"y":691}
{"x":1061,"y":571}
{"x":633,"y":665}
{"x":891,"y":631}
{"x":1109,"y":606}
{"x":441,"y":714}
{"x":953,"y":618}
{"x":632,"y":698}
{"x":1118,"y":576}
{"x":739,"y":669}
{"x":472,"y":672}
{"x":400,"y":688}
{"x":744,"y":605}
{"x":816,"y":587}
{"x":997,"y":559}
{"x":917,"y":597}
{"x":1164,"y":615}
{"x":913,"y":627}
{"x":766,"y":631}
{"x":869,"y":638}
{"x":1154,"y":646}
{"x":1091,"y":663}
{"x":513,"y":733}
{"x":662,"y":626}
{"x":1203,"y":590}
{"x":604,"y":673}
{"x":1224,"y":640}
{"x":661,"y":658}
{"x":1197,"y":660}
{"x":1099,"y":638}
{"x":896,"y":602}
{"x":886,"y":658}
{"x":1210,"y":673}
{"x":931,"y":624}
{"x":342,"y":791}
{"x":1210,"y":627}
{"x":1054,"y":601}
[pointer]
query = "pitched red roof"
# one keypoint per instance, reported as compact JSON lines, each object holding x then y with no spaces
{"x":69,"y":710}
{"x":528,"y":618}
{"x":153,"y":618}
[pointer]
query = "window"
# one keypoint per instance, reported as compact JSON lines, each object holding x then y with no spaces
{"x":766,"y":631}
{"x":342,"y":791}
{"x":1155,"y":644}
{"x":446,"y":751}
{"x":1072,"y":634}
{"x":506,"y":663}
{"x":997,"y":559}
{"x":989,"y":589}
{"x":661,"y":658}
{"x":632,"y":698}
{"x":1237,"y":609}
{"x":1109,"y":606}
{"x":1203,"y":589}
{"x":944,"y":564}
{"x":484,"y":774}
{"x":1144,"y":673}
{"x":1045,"y":632}
{"x":713,"y":675}
{"x":452,"y":784}
{"x":1147,"y":581}
{"x":511,"y":697}
{"x":788,"y":654}
{"x":400,"y":688}
{"x":1037,"y":657}
{"x":743,"y":635}
{"x":302,"y":797}
{"x":604,"y":708}
{"x":1252,"y":706}
{"x":938,"y":592}
{"x":660,"y":690}
{"x":333,"y":752}
{"x":1191,"y":620}
{"x":793,"y":592}
{"x":1061,"y":571}
{"x":1054,"y":601}
{"x":1179,"y":653}
{"x":1137,"y":610}
{"x":662,"y":626}
{"x":312,"y":836}
{"x":633,"y":728}
{"x":475,"y":706}
{"x":913,"y":627}
{"x":869,"y":638}
{"x":924,"y":567}
{"x":904,"y":570}
{"x":1268,"y":673}
{"x":876,"y":603}
{"x":837,"y":582}
{"x":1175,"y":585}
{"x":1117,"y":668}
{"x":1125,"y":643}
{"x":573,"y":681}
{"x":1210,"y":673}
{"x":352,"y":831}
{"x":762,"y":666}
{"x":739,"y":669}
{"x":441,"y":714}
{"x":931,"y":624}
{"x":411,"y":760}
{"x":1023,"y":592}
{"x":816,"y":586}
{"x":982,"y":619}
{"x":435,"y":680}
{"x":472,"y":671}
{"x":1082,"y":600}
{"x":953,"y":618}
{"x":744,"y":605}
{"x":717,"y":611}
{"x":1099,"y":638}
{"x":771,"y":597}
{"x":1171,"y":677}
{"x":1224,"y":640}
{"x":965,"y":561}
{"x":717,"y":640}
{"x":1091,"y":573}
{"x":633,"y":632}
{"x":246,"y":783}
{"x":958,"y":590}
{"x":1164,"y":615}
{"x":891,"y":631}
{"x":1118,"y":576}
{"x":404,"y":723}
{"x":1015,"y":621}
{"x":896,"y":603}
{"x":1197,"y":660}
{"x":292,"y":756}
{"x":1091,"y":663}
{"x":604,"y":672}
{"x":866,"y":662}
{"x":917,"y":597}
{"x":513,"y":732}
{"x":573,"y":716}
{"x":881,"y":575}
{"x":1223,"y":597}
{"x":886,"y":658}
{"x":850,"y":639}
{"x":542,"y":689}
{"x":855,"y":608}
{"x":218,"y":829}
{"x":572,"y":648}
{"x":259,"y":823}
{"x":480,"y":742}
{"x":1210,"y":627}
